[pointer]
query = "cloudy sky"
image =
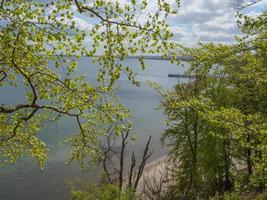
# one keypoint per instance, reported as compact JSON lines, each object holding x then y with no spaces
{"x":197,"y":20}
{"x":209,"y":20}
{"x":202,"y":20}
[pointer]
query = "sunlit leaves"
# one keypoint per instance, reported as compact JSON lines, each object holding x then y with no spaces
{"x":41,"y":43}
{"x":217,"y":122}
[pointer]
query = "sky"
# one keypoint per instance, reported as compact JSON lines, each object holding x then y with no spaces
{"x":209,"y":20}
{"x":202,"y":20}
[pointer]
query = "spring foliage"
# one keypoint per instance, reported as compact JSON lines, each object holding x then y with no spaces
{"x":34,"y":34}
{"x":217,"y":122}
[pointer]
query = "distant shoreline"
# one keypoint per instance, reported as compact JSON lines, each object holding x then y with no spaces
{"x":182,"y":58}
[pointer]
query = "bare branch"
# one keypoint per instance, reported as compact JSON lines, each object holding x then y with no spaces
{"x":122,"y":153}
{"x":113,"y":160}
{"x":146,"y":156}
{"x":244,"y":4}
{"x":133,"y":163}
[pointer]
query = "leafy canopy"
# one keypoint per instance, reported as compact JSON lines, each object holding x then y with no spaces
{"x":40,"y":39}
{"x":217,"y":121}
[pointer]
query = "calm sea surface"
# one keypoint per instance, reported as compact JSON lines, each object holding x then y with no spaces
{"x":25,"y":181}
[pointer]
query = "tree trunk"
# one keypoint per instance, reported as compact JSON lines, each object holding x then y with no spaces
{"x":248,"y":156}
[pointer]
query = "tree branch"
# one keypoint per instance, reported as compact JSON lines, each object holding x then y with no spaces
{"x":81,"y":9}
{"x":2,"y":4}
{"x":21,"y":71}
{"x":4,"y":75}
{"x":247,"y":4}
{"x":146,"y":156}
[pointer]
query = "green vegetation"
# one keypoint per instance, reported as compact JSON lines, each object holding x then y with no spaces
{"x":103,"y":192}
{"x":218,"y":121}
{"x":32,"y":33}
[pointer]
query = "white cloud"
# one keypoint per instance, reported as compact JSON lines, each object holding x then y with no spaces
{"x":223,"y":22}
{"x":215,"y":36}
{"x":82,"y":24}
{"x":205,"y":20}
{"x":197,"y":20}
{"x":179,"y":31}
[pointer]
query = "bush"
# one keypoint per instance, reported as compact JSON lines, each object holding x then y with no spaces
{"x":102,"y":192}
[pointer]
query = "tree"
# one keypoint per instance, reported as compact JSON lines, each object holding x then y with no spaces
{"x":114,"y":151}
{"x":119,"y":175}
{"x":226,"y":102}
{"x":34,"y":34}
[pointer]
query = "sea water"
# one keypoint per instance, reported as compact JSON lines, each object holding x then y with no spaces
{"x":26,"y":181}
